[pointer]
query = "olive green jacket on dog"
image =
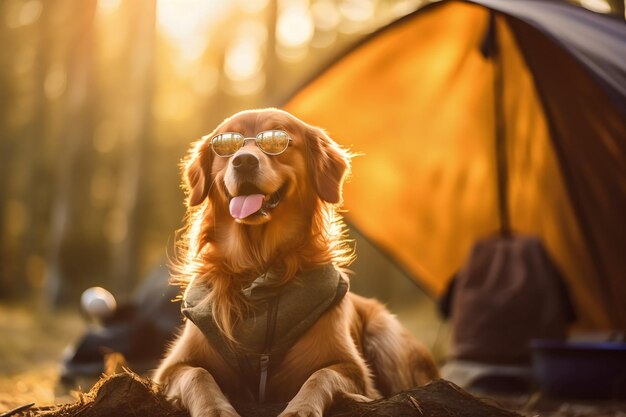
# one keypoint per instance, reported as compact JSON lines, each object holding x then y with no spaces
{"x":279,"y":316}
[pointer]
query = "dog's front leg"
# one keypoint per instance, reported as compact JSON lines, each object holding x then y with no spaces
{"x":191,"y":386}
{"x":318,"y":392}
{"x":196,"y":390}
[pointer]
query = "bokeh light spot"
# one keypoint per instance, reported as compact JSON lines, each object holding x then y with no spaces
{"x":187,"y":23}
{"x":105,"y":136}
{"x":30,"y":12}
{"x":55,"y":82}
{"x":108,"y":6}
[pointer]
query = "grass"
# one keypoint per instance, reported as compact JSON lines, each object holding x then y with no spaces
{"x":32,"y":340}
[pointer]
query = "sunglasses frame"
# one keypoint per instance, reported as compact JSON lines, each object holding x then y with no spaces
{"x":245,"y":139}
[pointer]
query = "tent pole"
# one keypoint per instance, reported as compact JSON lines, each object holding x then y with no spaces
{"x":491,"y":50}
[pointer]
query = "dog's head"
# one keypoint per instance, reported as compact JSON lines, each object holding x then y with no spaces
{"x":262,"y":167}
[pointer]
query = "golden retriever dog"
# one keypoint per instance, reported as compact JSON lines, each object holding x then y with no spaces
{"x":269,"y":315}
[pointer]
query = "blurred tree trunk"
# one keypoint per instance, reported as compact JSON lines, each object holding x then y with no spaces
{"x":37,"y":197}
{"x":9,"y":90}
{"x":138,"y":90}
{"x":71,"y":253}
{"x":22,"y":125}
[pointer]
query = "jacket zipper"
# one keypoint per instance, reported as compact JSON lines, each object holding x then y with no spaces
{"x":272,"y":310}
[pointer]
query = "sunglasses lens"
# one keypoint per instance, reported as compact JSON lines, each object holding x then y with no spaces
{"x":273,"y":141}
{"x":227,"y":144}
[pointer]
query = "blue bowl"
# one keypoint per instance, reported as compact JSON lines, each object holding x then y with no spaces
{"x":580,"y":369}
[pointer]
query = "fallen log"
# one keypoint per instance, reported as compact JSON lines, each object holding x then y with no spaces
{"x":129,"y":395}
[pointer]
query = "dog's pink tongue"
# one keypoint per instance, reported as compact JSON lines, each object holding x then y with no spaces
{"x":244,"y":205}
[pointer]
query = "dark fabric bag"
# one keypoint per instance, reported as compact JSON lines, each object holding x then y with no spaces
{"x":506,"y":294}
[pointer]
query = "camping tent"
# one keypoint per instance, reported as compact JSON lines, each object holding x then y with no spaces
{"x":476,"y":117}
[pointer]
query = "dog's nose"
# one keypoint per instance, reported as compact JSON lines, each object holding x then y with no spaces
{"x":245,"y":162}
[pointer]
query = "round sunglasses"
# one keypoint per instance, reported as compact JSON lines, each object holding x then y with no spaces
{"x":271,"y":142}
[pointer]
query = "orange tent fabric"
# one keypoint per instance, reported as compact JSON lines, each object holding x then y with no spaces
{"x":417,"y":100}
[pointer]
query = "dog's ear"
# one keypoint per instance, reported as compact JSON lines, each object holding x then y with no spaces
{"x":328,"y":164}
{"x":197,"y":172}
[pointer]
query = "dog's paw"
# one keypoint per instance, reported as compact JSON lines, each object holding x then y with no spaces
{"x":300,"y":411}
{"x":223,"y":411}
{"x":217,"y":413}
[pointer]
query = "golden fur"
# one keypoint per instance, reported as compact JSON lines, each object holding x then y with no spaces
{"x":356,"y":348}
